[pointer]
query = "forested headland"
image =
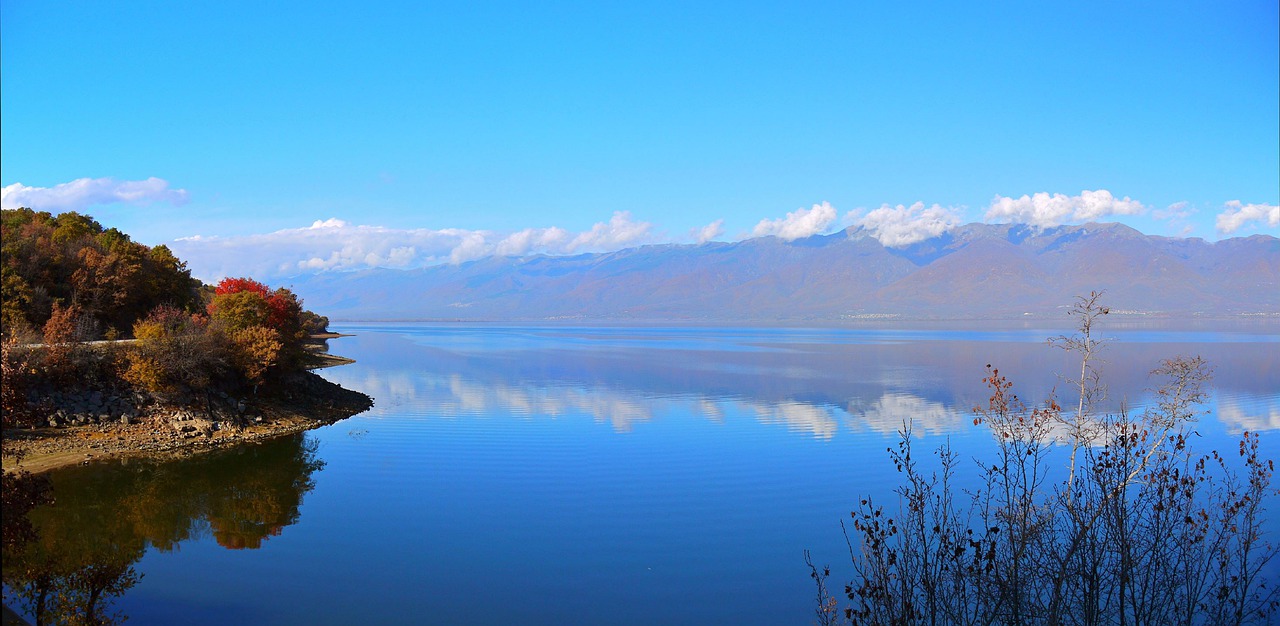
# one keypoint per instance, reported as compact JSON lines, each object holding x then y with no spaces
{"x":100,"y":330}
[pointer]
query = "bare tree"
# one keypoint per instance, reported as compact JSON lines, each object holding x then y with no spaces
{"x":1135,"y":529}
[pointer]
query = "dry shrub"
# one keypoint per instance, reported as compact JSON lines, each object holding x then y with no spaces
{"x":1139,"y":530}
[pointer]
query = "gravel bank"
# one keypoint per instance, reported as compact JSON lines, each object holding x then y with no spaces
{"x":168,"y":430}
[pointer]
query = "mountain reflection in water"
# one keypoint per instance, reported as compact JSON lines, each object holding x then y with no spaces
{"x":808,"y":382}
{"x":108,"y":514}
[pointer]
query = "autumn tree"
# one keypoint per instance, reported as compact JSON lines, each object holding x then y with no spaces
{"x":168,"y":281}
{"x":71,"y":227}
{"x":314,"y":324}
{"x":69,"y":275}
{"x":64,"y":354}
{"x":71,"y":260}
{"x":242,"y":304}
{"x":283,"y":309}
{"x":267,"y":328}
{"x":103,"y":283}
{"x":15,"y":300}
{"x":239,"y":310}
{"x":17,"y":374}
{"x":174,"y":350}
{"x":257,"y":350}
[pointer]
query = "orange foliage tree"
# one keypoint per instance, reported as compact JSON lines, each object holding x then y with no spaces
{"x":257,"y":350}
{"x":174,"y":349}
{"x":63,"y":336}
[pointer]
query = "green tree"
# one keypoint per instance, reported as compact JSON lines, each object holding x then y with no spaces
{"x":240,"y":310}
{"x":169,"y":281}
{"x":15,"y":301}
{"x":70,"y":227}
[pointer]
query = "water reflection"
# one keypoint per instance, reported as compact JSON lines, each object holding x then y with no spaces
{"x":107,"y":515}
{"x":1249,"y":413}
{"x":887,"y":413}
{"x":802,"y":384}
{"x":819,"y":421}
{"x":470,"y":427}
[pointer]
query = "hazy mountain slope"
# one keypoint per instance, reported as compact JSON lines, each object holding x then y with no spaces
{"x":982,"y":276}
{"x":978,"y":270}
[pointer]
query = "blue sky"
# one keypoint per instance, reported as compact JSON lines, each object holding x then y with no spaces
{"x":426,"y":132}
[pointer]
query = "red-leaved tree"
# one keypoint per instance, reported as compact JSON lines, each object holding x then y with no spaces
{"x":266,"y":326}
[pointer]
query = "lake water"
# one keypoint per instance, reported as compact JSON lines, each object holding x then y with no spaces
{"x":555,"y":475}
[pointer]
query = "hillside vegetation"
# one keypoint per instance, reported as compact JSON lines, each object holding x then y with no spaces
{"x":70,"y":261}
{"x":68,"y":281}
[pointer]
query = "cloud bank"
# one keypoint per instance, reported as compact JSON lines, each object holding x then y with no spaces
{"x":82,"y":193}
{"x":334,"y":244}
{"x":1046,"y":211}
{"x":897,"y":226}
{"x":1237,"y":215}
{"x":798,"y":223}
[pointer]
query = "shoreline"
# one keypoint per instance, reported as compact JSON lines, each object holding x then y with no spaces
{"x":305,"y":402}
{"x":322,"y":360}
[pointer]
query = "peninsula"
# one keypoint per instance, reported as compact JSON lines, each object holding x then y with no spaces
{"x":111,"y":348}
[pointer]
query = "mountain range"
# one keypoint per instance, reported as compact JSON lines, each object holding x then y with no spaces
{"x":976,"y":271}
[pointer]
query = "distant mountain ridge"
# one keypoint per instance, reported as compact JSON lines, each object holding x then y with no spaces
{"x":973,"y":271}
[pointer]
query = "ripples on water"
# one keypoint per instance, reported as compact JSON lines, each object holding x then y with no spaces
{"x":609,"y":475}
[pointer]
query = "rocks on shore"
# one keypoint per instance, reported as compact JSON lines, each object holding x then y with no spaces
{"x":93,"y":423}
{"x":85,"y":407}
{"x":82,"y":407}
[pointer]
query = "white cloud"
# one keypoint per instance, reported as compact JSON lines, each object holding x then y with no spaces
{"x":708,"y":232}
{"x":1044,"y":211}
{"x":334,"y":244}
{"x":332,"y":222}
{"x":798,"y":223}
{"x":1176,"y":217}
{"x":530,"y":239}
{"x":473,"y":245}
{"x":620,"y":232}
{"x":325,"y":245}
{"x":397,"y":257}
{"x":1236,"y":215}
{"x":905,"y":225}
{"x":1175,"y":212}
{"x":82,"y":193}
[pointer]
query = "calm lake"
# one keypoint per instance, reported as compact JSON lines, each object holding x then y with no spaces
{"x":556,"y":475}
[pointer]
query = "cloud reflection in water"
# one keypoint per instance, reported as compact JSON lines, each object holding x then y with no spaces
{"x":454,"y":395}
{"x":805,"y":384}
{"x":1254,"y":414}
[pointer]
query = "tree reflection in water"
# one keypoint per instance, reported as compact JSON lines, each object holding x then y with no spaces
{"x":107,"y":515}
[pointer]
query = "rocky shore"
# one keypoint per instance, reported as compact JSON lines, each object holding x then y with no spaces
{"x":79,"y":426}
